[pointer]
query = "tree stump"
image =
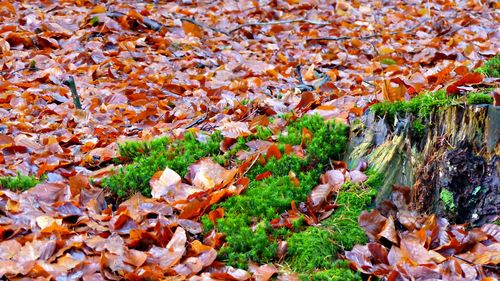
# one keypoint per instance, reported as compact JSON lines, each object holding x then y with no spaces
{"x":452,"y":169}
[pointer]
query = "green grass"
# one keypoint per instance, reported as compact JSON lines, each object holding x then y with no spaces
{"x":18,"y":182}
{"x":491,"y":68}
{"x":246,"y":222}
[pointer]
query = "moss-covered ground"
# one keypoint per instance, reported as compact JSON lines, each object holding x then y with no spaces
{"x":246,"y":222}
{"x":491,"y":68}
{"x":149,"y":157}
{"x":18,"y":182}
{"x":312,"y":250}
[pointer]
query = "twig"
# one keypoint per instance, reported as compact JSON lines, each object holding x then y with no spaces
{"x":202,"y":25}
{"x":32,"y":67}
{"x":364,"y":37}
{"x":275,"y":23}
{"x":149,"y":23}
{"x":156,"y":26}
{"x":483,"y":265}
{"x":198,"y":121}
{"x":72,"y":86}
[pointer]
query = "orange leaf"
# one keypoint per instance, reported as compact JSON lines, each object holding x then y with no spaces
{"x":273,"y":151}
{"x":192,"y":28}
{"x":306,"y":100}
{"x":99,"y":9}
{"x":216,"y":214}
{"x":6,"y":6}
{"x":133,"y":14}
{"x":263,"y":176}
{"x":469,"y":78}
{"x":306,"y":136}
{"x":293,"y":178}
{"x":309,"y":76}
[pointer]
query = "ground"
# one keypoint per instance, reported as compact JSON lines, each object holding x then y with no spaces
{"x":213,"y":132}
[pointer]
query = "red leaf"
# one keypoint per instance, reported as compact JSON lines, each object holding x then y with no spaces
{"x":273,"y":151}
{"x":263,"y":175}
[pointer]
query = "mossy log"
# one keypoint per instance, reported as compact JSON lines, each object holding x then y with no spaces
{"x":452,"y":166}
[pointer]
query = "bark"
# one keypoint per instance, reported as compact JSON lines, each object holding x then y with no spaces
{"x":458,"y":156}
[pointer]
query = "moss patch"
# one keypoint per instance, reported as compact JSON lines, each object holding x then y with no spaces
{"x":246,"y":222}
{"x":312,"y":251}
{"x":479,"y":98}
{"x":150,"y":157}
{"x":339,"y":271}
{"x":315,"y":249}
{"x":491,"y":68}
{"x":447,"y":199}
{"x":19,"y":182}
{"x":420,"y":106}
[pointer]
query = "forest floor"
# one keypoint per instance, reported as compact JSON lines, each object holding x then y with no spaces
{"x":204,"y":140}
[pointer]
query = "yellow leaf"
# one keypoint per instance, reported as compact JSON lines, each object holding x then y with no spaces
{"x":12,"y":206}
{"x":99,"y":9}
{"x":46,"y":221}
{"x":385,"y":51}
{"x":424,"y":12}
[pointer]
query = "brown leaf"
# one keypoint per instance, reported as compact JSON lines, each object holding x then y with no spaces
{"x":263,"y":272}
{"x":164,"y":182}
{"x":172,"y":253}
{"x":372,"y":222}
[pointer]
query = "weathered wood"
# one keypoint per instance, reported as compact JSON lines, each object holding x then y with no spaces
{"x":459,"y":154}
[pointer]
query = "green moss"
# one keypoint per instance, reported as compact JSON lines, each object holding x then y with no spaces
{"x":263,"y":133}
{"x":313,"y":248}
{"x":317,"y":247}
{"x":479,"y":98}
{"x":134,"y":149}
{"x":156,"y":155}
{"x":448,"y":202}
{"x":491,"y":68}
{"x":418,"y":129}
{"x":340,"y":271}
{"x":246,"y":222}
{"x":420,"y":106}
{"x":18,"y":183}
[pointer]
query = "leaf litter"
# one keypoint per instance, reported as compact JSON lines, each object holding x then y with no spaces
{"x":144,"y":70}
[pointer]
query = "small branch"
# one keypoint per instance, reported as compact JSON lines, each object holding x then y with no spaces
{"x":149,"y":23}
{"x":364,"y":37}
{"x":202,"y":25}
{"x":276,"y":23}
{"x":156,"y":26}
{"x":72,"y":86}
{"x":472,"y":263}
{"x":198,"y":121}
{"x":341,"y":38}
{"x":32,"y":67}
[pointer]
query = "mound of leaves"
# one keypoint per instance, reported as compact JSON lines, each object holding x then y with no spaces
{"x":408,"y":246}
